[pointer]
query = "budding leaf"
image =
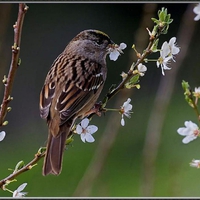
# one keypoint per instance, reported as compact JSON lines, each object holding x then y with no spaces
{"x":18,"y":166}
{"x":188,"y":93}
{"x":69,"y":141}
{"x":162,"y":15}
{"x":154,"y":47}
{"x":132,"y":82}
{"x":41,"y":150}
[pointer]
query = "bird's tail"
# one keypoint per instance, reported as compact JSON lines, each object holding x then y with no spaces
{"x":54,"y":152}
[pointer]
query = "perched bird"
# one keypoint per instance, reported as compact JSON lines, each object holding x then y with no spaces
{"x":71,"y":89}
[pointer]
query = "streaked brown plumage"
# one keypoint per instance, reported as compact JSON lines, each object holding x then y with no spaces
{"x":71,"y":89}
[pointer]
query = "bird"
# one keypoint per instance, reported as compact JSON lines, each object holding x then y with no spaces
{"x":71,"y":89}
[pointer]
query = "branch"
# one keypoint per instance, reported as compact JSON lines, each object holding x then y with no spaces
{"x":8,"y":82}
{"x":27,"y":167}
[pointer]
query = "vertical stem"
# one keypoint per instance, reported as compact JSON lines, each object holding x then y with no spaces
{"x":14,"y":62}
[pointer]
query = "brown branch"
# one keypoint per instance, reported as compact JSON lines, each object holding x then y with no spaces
{"x":14,"y":62}
{"x":27,"y":167}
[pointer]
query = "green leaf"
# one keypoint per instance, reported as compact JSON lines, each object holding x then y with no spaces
{"x":155,"y":20}
{"x":134,"y":79}
{"x":185,"y":85}
{"x":41,"y":150}
{"x":69,"y":140}
{"x":132,"y":82}
{"x":154,"y":47}
{"x":162,"y":15}
{"x":18,"y":166}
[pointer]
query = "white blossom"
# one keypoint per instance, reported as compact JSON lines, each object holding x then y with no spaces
{"x":18,"y":192}
{"x":195,"y":163}
{"x":142,"y":68}
{"x":164,"y":58}
{"x":174,"y":49}
{"x":190,"y":131}
{"x":86,"y":131}
{"x":126,"y":110}
{"x":2,"y":135}
{"x":197,"y":92}
{"x":196,"y":10}
{"x":116,"y":50}
{"x":167,"y":52}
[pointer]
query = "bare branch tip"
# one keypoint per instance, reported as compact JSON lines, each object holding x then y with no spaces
{"x":26,"y":8}
{"x":15,"y":25}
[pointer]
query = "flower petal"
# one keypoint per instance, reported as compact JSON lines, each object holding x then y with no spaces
{"x":162,"y":69}
{"x":192,"y":126}
{"x":114,"y":55}
{"x":128,"y":108}
{"x":165,"y":50}
{"x":15,"y":193}
{"x":183,"y":131}
{"x":83,"y":137}
{"x":196,"y":9}
{"x":197,"y":18}
{"x":79,"y":129}
{"x":2,"y":135}
{"x":175,"y":50}
{"x":172,"y":41}
{"x":126,"y":103}
{"x":89,"y":137}
{"x":122,"y":46}
{"x":92,"y":129}
{"x":85,"y":122}
{"x":21,"y":187}
{"x":158,"y":63}
{"x":189,"y":138}
{"x":122,"y":121}
{"x":142,"y":68}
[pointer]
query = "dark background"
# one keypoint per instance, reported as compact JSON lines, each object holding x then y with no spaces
{"x":47,"y":29}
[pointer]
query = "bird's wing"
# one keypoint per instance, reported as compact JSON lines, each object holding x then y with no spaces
{"x":79,"y":81}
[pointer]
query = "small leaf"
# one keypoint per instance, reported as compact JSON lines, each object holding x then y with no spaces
{"x":41,"y":150}
{"x":69,"y":140}
{"x":134,"y":79}
{"x":162,"y":15}
{"x":155,"y":20}
{"x":185,"y":85}
{"x":18,"y":166}
{"x":5,"y":123}
{"x":154,"y":47}
{"x":132,"y":82}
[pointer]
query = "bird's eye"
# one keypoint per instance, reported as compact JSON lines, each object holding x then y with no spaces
{"x":98,"y":42}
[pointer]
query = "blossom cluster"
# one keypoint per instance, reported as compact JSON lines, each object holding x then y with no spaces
{"x":167,"y":52}
{"x":86,"y":131}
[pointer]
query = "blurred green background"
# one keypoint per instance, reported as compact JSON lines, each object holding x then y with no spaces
{"x":47,"y":29}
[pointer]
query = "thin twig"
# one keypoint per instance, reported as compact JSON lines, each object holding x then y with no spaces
{"x":5,"y":10}
{"x":27,"y":167}
{"x":162,"y":99}
{"x":14,"y":62}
